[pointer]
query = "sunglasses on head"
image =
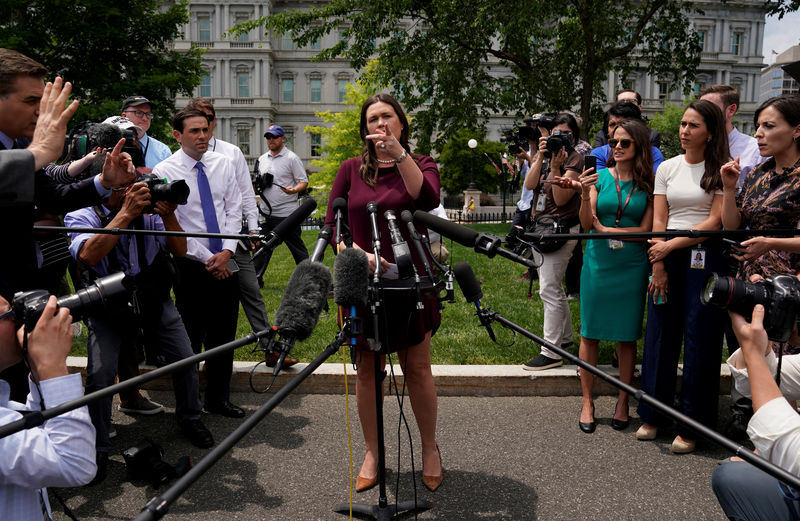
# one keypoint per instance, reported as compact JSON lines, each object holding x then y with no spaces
{"x":624,"y":143}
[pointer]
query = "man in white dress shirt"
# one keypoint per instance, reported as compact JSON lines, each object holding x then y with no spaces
{"x":207,"y":293}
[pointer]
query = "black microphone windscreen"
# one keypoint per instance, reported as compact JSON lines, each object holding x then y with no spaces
{"x":461,"y":234}
{"x":350,"y":278}
{"x":469,"y":285}
{"x":340,"y":203}
{"x":304,"y":299}
{"x":296,"y":218}
{"x":104,"y":135}
{"x":372,"y":207}
{"x":406,"y":216}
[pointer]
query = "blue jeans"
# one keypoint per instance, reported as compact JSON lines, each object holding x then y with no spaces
{"x":746,"y":493}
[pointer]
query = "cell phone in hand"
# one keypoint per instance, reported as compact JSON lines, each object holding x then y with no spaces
{"x":590,"y":162}
{"x":233,"y":266}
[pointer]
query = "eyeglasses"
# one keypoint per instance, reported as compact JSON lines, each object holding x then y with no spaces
{"x":624,"y":143}
{"x":270,"y":136}
{"x":141,"y":114}
{"x":7,"y":314}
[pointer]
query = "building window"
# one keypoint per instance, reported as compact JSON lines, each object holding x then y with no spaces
{"x":663,"y":90}
{"x":341,"y":89}
{"x":205,"y":85}
{"x":316,"y":144}
{"x":342,"y":35}
{"x":287,"y":44}
{"x":204,"y":29}
{"x":777,"y":74}
{"x":316,"y":45}
{"x":776,"y":84}
{"x":243,"y":137}
{"x":316,"y":90}
{"x":244,"y":37}
{"x":736,"y":43}
{"x":701,"y":40}
{"x":287,"y":90}
{"x":243,"y":85}
{"x":289,"y":142}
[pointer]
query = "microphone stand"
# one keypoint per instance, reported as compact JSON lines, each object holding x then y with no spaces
{"x":36,"y":418}
{"x":157,"y":507}
{"x":383,"y":511}
{"x":489,"y":315}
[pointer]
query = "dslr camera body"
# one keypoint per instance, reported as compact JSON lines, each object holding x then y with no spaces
{"x":558,"y":140}
{"x":779,"y":294}
{"x":162,"y":190}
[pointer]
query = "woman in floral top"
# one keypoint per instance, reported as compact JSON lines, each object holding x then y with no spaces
{"x":770,"y":195}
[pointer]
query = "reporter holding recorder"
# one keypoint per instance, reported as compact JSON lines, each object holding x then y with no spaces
{"x":553,"y":201}
{"x":616,"y":199}
{"x":388,"y":174}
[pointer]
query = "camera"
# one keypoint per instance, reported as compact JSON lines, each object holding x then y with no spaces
{"x":512,"y":139}
{"x":547,"y":121}
{"x":28,"y":305}
{"x":144,"y":461}
{"x":263,"y":181}
{"x":87,"y":136}
{"x":558,"y":140}
{"x":161,"y":190}
{"x":779,"y":294}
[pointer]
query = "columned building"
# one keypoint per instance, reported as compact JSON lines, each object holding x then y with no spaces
{"x":259,"y":79}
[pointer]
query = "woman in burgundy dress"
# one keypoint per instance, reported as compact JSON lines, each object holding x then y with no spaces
{"x":388,"y":174}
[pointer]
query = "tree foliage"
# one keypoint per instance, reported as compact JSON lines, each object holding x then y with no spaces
{"x":456,"y":63}
{"x":108,"y":51}
{"x":458,"y":162}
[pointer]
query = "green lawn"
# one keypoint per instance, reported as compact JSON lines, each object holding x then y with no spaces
{"x":460,"y":339}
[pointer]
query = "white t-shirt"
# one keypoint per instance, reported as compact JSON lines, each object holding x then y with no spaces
{"x":688,"y":203}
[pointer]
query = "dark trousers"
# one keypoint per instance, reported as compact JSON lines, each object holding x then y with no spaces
{"x":293,"y":241}
{"x":572,"y":278}
{"x":111,"y":334}
{"x":683,"y":319}
{"x":746,"y":493}
{"x":210,"y":311}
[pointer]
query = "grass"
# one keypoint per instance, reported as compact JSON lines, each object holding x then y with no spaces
{"x":460,"y":339}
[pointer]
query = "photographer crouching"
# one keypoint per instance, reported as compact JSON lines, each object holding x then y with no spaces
{"x":743,"y":491}
{"x":146,"y":259}
{"x":59,"y":453}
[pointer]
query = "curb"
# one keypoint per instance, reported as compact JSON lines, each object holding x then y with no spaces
{"x":451,"y":380}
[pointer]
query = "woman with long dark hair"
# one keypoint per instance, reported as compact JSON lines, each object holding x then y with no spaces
{"x":687,"y":196}
{"x":617,"y":199}
{"x":388,"y":174}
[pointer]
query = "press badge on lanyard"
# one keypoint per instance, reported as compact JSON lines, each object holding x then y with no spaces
{"x":541,"y":201}
{"x":616,"y":244}
{"x":698,"y":259}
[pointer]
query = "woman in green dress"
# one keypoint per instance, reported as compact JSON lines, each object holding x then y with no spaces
{"x":617,"y":199}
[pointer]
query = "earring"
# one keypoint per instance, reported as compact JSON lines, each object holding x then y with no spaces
{"x":708,"y":140}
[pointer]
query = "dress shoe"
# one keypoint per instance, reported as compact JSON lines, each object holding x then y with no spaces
{"x":433,"y":482}
{"x":588,"y":427}
{"x":225,"y":409}
{"x":272,"y":359}
{"x":647,"y":432}
{"x":363,"y":483}
{"x":197,"y":433}
{"x":682,"y":445}
{"x":619,"y":425}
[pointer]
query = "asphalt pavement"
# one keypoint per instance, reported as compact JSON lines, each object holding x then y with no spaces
{"x":505,"y":458}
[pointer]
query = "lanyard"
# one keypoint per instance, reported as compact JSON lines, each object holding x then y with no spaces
{"x":621,"y":207}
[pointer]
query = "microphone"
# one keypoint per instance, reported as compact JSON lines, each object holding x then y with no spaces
{"x":417,"y":238}
{"x":372,"y":210}
{"x":323,"y":239}
{"x":295,"y":219}
{"x":305,"y":296}
{"x":402,"y":253}
{"x":484,"y":243}
{"x":340,"y":214}
{"x":472,"y":292}
{"x":350,"y":282}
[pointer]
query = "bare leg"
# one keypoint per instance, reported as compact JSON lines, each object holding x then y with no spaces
{"x":365,"y":399}
{"x":627,"y":361}
{"x":587,"y":353}
{"x":416,"y":365}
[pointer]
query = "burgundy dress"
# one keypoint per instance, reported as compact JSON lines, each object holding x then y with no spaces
{"x":407,"y":325}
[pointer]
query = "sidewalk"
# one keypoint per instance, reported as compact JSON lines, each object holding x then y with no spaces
{"x":451,"y":380}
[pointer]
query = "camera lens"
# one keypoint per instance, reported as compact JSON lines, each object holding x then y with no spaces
{"x":95,"y":297}
{"x":734,"y":294}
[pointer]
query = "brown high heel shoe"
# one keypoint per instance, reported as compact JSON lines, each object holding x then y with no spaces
{"x":433,"y":482}
{"x":363,"y":484}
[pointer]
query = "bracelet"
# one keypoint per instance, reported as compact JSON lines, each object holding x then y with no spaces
{"x":402,"y":157}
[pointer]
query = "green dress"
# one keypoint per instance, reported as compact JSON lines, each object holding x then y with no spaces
{"x":614,"y":279}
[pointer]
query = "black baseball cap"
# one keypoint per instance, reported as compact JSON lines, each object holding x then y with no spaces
{"x":135,"y":101}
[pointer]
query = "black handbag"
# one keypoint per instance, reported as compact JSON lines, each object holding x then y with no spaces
{"x":546,"y":225}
